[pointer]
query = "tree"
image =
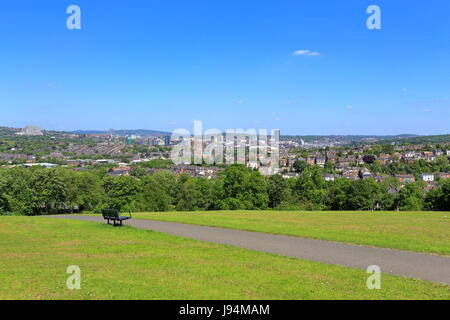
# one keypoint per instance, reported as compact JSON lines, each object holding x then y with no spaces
{"x":243,"y":189}
{"x":439,"y":200}
{"x":139,"y":172}
{"x":310,"y":188}
{"x":189,"y":197}
{"x":122,"y":193}
{"x":89,"y":191}
{"x":153,"y":197}
{"x":20,"y":194}
{"x":168,"y":181}
{"x":363,"y":195}
{"x":376,"y":167}
{"x":338,"y":195}
{"x":277,"y":189}
{"x":329,"y":167}
{"x":51,"y":190}
{"x":300,"y":165}
{"x":204,"y":188}
{"x":369,"y":159}
{"x":410,"y":198}
{"x":4,"y":205}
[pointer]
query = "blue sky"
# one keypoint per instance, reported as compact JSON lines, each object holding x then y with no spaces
{"x":161,"y":64}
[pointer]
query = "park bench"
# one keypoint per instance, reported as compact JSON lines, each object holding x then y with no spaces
{"x":114,"y":215}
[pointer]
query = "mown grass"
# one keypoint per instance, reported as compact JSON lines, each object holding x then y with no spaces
{"x":414,"y":231}
{"x":127,"y":263}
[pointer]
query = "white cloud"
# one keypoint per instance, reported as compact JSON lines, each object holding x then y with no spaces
{"x":405,"y":90}
{"x":238,"y":101}
{"x":277,"y":119}
{"x":348,"y":107}
{"x":51,"y":85}
{"x":172,"y":123}
{"x":301,"y":52}
{"x":308,"y":53}
{"x":426,"y":110}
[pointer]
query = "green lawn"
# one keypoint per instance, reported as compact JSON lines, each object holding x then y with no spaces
{"x":127,"y":263}
{"x":414,"y":231}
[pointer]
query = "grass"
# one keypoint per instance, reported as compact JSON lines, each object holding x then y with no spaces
{"x":127,"y":263}
{"x":427,"y":232}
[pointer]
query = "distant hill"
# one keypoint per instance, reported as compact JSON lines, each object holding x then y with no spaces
{"x":349,"y":138}
{"x":138,"y":132}
{"x":444,"y":138}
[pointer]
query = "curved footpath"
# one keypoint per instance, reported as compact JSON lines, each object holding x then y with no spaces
{"x":402,"y":263}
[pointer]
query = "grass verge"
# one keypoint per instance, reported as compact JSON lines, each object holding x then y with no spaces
{"x":127,"y":263}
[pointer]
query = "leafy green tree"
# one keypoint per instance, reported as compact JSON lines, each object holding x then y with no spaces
{"x":21,"y":196}
{"x":387,"y":201}
{"x":153,"y":197}
{"x":329,"y":167}
{"x":89,"y":191}
{"x":363,"y":195}
{"x":139,"y":172}
{"x":122,"y":193}
{"x":204,"y":187}
{"x":376,"y":167}
{"x":51,"y":190}
{"x":300,"y":165}
{"x":310,"y":188}
{"x":337,"y":198}
{"x":4,"y":205}
{"x":277,"y":189}
{"x":244,"y":189}
{"x":189,"y":196}
{"x":439,"y":200}
{"x":410,"y":198}
{"x":168,"y":181}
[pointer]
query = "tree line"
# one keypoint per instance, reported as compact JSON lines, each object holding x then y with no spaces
{"x":38,"y":191}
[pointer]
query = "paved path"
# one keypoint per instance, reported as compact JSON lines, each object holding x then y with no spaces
{"x":403,"y":263}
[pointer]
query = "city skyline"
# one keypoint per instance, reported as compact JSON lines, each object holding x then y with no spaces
{"x":303,"y":68}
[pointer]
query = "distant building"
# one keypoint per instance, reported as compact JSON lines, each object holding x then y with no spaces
{"x":365,"y":174}
{"x":33,"y":131}
{"x":320,"y":161}
{"x":427,"y":177}
{"x":405,"y":178}
{"x":443,"y":175}
{"x":384,"y":158}
{"x":45,"y":165}
{"x":30,"y":131}
{"x":167,"y":141}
